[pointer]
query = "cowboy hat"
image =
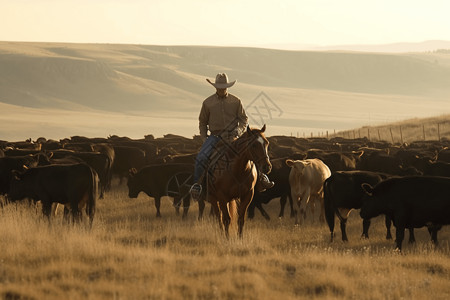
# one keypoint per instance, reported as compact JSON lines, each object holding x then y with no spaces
{"x":221,"y":81}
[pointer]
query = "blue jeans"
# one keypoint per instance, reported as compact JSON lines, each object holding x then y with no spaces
{"x":202,"y":160}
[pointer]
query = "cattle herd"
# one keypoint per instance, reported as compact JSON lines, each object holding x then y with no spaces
{"x":408,"y":183}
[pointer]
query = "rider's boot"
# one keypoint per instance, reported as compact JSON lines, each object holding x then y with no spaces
{"x":263,"y":183}
{"x":196,"y":191}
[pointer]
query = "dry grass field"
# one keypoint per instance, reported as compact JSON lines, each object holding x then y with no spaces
{"x":130,"y":254}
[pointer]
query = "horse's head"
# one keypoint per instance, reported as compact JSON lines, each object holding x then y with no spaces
{"x":257,"y":148}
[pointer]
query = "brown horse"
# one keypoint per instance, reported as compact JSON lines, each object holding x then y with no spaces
{"x":235,"y":174}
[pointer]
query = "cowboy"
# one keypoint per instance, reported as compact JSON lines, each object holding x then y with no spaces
{"x":224,"y":116}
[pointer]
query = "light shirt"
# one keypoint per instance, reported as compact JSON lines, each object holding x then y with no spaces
{"x":222,"y":114}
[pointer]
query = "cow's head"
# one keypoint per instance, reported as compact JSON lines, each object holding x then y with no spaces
{"x":371,"y":205}
{"x":297,"y":166}
{"x":18,"y":186}
{"x":133,"y":184}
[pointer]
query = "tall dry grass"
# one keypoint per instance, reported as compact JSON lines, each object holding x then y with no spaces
{"x":129,"y":254}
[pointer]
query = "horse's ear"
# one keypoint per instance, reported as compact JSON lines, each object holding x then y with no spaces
{"x":248,"y":129}
{"x":263,"y":128}
{"x":289,"y":162}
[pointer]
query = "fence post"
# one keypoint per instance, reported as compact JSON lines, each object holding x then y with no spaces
{"x":439,"y":132}
{"x":379,"y":136}
{"x":423,"y":130}
{"x":401,"y":135}
{"x":392,"y":137}
{"x":368,"y":133}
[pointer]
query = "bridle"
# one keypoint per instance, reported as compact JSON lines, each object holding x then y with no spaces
{"x":252,"y":139}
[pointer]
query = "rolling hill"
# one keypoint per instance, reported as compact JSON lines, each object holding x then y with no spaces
{"x":120,"y":88}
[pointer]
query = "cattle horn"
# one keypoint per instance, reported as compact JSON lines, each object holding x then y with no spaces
{"x":263,"y":128}
{"x":367,"y":188}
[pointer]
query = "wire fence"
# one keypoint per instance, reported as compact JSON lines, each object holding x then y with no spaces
{"x":404,"y":133}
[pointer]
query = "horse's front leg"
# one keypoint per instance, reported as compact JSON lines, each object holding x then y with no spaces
{"x":297,"y":199}
{"x":215,"y":211}
{"x":226,"y":218}
{"x":243,"y":204}
{"x":220,"y":209}
{"x":303,"y":205}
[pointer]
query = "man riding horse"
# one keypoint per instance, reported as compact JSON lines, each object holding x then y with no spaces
{"x":224,"y":116}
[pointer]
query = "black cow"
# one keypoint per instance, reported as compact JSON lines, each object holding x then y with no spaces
{"x":379,"y":162}
{"x":280,"y":176}
{"x":444,"y":155}
{"x":432,"y":168}
{"x":127,"y":158}
{"x":74,"y":186}
{"x":343,"y":193}
{"x":334,"y":160}
{"x":100,"y":162}
{"x":18,"y":163}
{"x":21,"y":152}
{"x":163,"y":180}
{"x":108,"y":150}
{"x":411,"y":202}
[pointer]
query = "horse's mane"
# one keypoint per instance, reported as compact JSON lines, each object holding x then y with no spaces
{"x":233,"y":147}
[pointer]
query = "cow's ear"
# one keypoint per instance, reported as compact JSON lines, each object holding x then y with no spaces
{"x":132,"y":172}
{"x":367,"y":188}
{"x":16,"y":174}
{"x":263,"y":128}
{"x":289,"y":162}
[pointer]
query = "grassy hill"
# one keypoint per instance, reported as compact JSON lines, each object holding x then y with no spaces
{"x":314,"y":91}
{"x":424,"y":129}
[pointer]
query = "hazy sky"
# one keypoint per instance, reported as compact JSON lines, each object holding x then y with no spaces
{"x":225,"y":22}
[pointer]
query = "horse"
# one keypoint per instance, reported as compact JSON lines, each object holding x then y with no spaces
{"x":233,"y":175}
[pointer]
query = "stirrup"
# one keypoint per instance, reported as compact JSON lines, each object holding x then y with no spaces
{"x":196,"y":191}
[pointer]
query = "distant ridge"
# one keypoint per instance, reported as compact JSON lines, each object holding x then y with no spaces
{"x":425,"y":46}
{"x":143,"y":78}
{"x":146,"y":89}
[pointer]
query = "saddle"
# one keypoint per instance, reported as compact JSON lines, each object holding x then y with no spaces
{"x":219,"y":161}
